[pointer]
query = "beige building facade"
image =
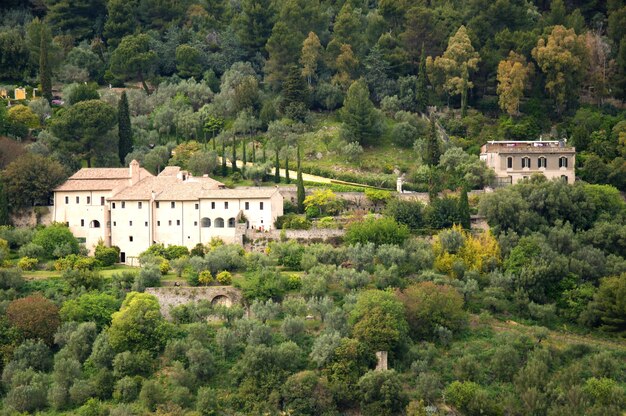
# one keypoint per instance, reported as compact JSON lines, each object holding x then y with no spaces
{"x":514,"y":161}
{"x":133,"y":209}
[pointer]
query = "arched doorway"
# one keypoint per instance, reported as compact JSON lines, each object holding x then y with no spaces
{"x":221,"y":300}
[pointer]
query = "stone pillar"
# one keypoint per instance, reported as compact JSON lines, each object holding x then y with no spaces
{"x":399,"y":182}
{"x":382,"y":360}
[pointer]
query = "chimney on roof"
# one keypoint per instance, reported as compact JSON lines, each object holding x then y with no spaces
{"x":134,"y":172}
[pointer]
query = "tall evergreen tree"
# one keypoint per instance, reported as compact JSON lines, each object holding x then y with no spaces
{"x":277,"y":169}
{"x":300,"y":193}
{"x":360,"y":118}
{"x":4,"y":205}
{"x":464,"y":209}
{"x":287,"y":180}
{"x":433,"y":151}
{"x":224,"y":167}
{"x":234,"y":161}
{"x":125,"y":132}
{"x":421,"y":92}
{"x":45,"y":77}
{"x":295,"y":95}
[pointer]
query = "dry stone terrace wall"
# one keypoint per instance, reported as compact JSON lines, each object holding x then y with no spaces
{"x":172,"y":296}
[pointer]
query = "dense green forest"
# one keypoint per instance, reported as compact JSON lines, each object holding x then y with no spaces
{"x":524,"y":317}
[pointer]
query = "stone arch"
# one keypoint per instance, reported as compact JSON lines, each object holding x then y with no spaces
{"x":221,"y":300}
{"x":231,"y":223}
{"x":219,"y":222}
{"x":205,"y":222}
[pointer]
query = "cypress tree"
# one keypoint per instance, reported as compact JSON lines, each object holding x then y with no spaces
{"x":294,"y":89}
{"x":464,"y":210}
{"x":224,"y":167}
{"x":421,"y":91}
{"x":45,"y":77}
{"x":4,"y":205}
{"x":234,"y":161}
{"x":125,"y":132}
{"x":433,"y":152}
{"x":243,"y":150}
{"x":300,"y":185}
{"x":287,"y":166}
{"x":277,"y":170}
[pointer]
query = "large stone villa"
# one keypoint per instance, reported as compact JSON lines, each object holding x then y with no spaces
{"x":517,"y":160}
{"x":133,"y":209}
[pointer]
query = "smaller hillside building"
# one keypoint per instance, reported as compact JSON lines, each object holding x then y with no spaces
{"x":517,"y":160}
{"x":133,"y":209}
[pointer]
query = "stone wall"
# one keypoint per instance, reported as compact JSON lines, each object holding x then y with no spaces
{"x":172,"y":296}
{"x":33,"y":216}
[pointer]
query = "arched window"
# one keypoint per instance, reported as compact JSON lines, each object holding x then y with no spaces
{"x":564,"y":178}
{"x":231,"y":223}
{"x":509,"y":162}
{"x":219,"y":223}
{"x":543,"y":162}
{"x":525,"y":162}
{"x":94,"y":224}
{"x":205,"y":222}
{"x":562,"y":162}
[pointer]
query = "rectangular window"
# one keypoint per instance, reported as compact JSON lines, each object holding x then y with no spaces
{"x":195,"y":223}
{"x":139,"y":205}
{"x":113,"y":205}
{"x":130,"y":223}
{"x":169,"y":222}
{"x":101,"y":200}
{"x":525,"y":162}
{"x":158,"y":223}
{"x":197,"y":206}
{"x":88,"y":200}
{"x":82,"y":223}
{"x":78,"y":200}
{"x":123,"y":204}
{"x":130,"y":238}
{"x":114,"y":223}
{"x":226,"y":205}
{"x":212,"y":205}
{"x":177,"y":222}
{"x":261,"y":206}
{"x":542,"y":162}
{"x":146,"y":223}
{"x":67,"y":199}
{"x":509,"y":162}
{"x":157,"y":204}
{"x":563,"y":162}
{"x":247,"y":205}
{"x":173,"y":204}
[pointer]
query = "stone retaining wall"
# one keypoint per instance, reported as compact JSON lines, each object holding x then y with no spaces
{"x":33,"y":216}
{"x":170,"y":297}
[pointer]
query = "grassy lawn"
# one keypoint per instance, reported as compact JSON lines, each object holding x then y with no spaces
{"x":104,"y":272}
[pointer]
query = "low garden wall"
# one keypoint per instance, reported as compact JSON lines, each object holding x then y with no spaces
{"x":172,"y":296}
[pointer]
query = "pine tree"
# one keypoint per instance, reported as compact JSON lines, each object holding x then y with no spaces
{"x":4,"y":206}
{"x":125,"y":132}
{"x":44,"y":68}
{"x":360,"y":118}
{"x":295,"y":95}
{"x":421,"y":92}
{"x":433,"y":152}
{"x":464,"y":209}
{"x":300,"y":185}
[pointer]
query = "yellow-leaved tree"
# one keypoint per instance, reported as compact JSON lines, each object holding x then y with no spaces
{"x":513,"y":74}
{"x":457,"y":250}
{"x":562,"y":58}
{"x":451,"y":71}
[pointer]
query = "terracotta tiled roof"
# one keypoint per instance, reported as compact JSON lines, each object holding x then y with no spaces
{"x":91,"y":184}
{"x":107,"y":173}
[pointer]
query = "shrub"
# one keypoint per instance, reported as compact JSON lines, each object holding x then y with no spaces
{"x":381,"y":393}
{"x":407,"y":212}
{"x":107,"y":256}
{"x":11,"y":279}
{"x":164,"y":266}
{"x":225,"y":278}
{"x":27,"y":263}
{"x":54,"y":237}
{"x":292,"y":222}
{"x":174,"y":252}
{"x":378,"y":231}
{"x":32,"y":250}
{"x":205,"y":277}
